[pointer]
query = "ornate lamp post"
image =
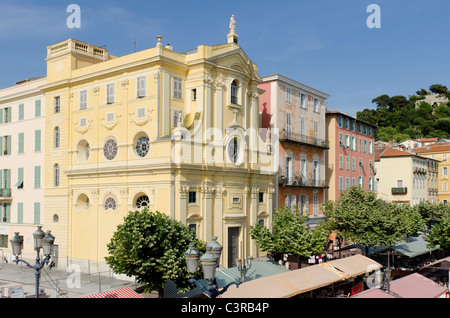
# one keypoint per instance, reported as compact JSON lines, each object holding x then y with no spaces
{"x":41,"y":240}
{"x":210,"y":261}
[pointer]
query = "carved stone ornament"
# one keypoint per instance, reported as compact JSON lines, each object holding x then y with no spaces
{"x":140,"y":121}
{"x":110,"y":124}
{"x":82,"y":129}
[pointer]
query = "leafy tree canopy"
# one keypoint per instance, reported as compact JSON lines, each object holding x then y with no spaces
{"x":151,"y":247}
{"x":290,"y":235}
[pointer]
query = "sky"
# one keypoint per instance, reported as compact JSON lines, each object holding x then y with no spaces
{"x":324,"y":44}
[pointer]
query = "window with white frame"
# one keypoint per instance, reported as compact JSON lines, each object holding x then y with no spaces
{"x":289,"y":168}
{"x":83,"y":99}
{"x":141,"y":112}
{"x":110,"y":93}
{"x":303,"y":101}
{"x":141,"y":86}
{"x":57,"y":104}
{"x":177,"y":87}
{"x":288,"y":94}
{"x":56,"y":175}
{"x":316,"y":205}
{"x":57,"y":136}
{"x":288,"y":124}
{"x":316,"y":105}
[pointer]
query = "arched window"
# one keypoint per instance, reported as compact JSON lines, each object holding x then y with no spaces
{"x":57,"y":137}
{"x":233,"y":150}
{"x":56,"y":175}
{"x":234,"y":92}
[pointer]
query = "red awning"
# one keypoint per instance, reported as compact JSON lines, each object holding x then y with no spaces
{"x":118,"y":293}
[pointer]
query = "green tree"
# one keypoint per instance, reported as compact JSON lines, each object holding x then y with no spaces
{"x":290,"y":235}
{"x":438,"y":89}
{"x":151,"y":247}
{"x":431,"y":213}
{"x":440,"y":232}
{"x":359,"y":216}
{"x":412,"y":222}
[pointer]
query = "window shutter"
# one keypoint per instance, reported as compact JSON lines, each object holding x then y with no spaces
{"x":37,"y":177}
{"x":8,"y":140}
{"x":1,"y":146}
{"x":19,"y":212}
{"x":37,"y":140}
{"x":1,"y":116}
{"x":37,"y":108}
{"x":21,"y":111}
{"x":7,"y":178}
{"x":19,"y":178}
{"x":21,"y":141}
{"x":37,"y":213}
{"x":9,"y":114}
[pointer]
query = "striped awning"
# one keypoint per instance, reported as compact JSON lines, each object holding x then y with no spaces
{"x":118,"y":293}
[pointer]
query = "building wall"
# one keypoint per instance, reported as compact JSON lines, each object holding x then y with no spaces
{"x":26,"y":201}
{"x":345,"y":144}
{"x":226,"y":194}
{"x":283,"y":96}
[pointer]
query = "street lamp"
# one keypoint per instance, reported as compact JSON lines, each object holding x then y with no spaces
{"x":245,"y":266}
{"x":210,"y":260}
{"x":41,"y":240}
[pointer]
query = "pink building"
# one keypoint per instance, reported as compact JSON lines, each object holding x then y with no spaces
{"x":351,"y":158}
{"x":298,"y":112}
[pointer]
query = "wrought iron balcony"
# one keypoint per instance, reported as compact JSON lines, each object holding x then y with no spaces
{"x":399,"y":190}
{"x":288,"y":136}
{"x":303,"y":183}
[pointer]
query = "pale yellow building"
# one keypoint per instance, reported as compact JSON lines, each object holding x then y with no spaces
{"x":174,"y":132}
{"x":405,"y":176}
{"x":441,"y":153}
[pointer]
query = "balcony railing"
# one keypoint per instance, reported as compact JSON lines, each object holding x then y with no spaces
{"x":399,"y":190}
{"x":303,"y":139}
{"x":5,"y":192}
{"x":304,"y":183}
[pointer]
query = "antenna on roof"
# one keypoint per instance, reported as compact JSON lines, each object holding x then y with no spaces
{"x":134,"y":44}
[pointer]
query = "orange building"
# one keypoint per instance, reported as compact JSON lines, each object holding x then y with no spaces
{"x":297,"y":113}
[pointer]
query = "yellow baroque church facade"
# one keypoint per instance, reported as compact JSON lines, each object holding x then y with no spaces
{"x":174,"y":132}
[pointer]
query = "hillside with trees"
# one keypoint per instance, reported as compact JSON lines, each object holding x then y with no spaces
{"x":399,"y":117}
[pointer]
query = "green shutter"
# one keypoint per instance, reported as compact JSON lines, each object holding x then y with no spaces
{"x":7,"y":212}
{"x":37,"y":140}
{"x":19,"y":183}
{"x":8,"y":140}
{"x":8,"y":178}
{"x":21,"y":111}
{"x":1,"y":116}
{"x":21,"y":140}
{"x":37,"y":213}
{"x":37,"y":177}
{"x":37,"y":108}
{"x":9,"y":114}
{"x":19,"y":212}
{"x":1,"y":146}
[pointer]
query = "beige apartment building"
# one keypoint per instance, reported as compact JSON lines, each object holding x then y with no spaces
{"x":405,"y":176}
